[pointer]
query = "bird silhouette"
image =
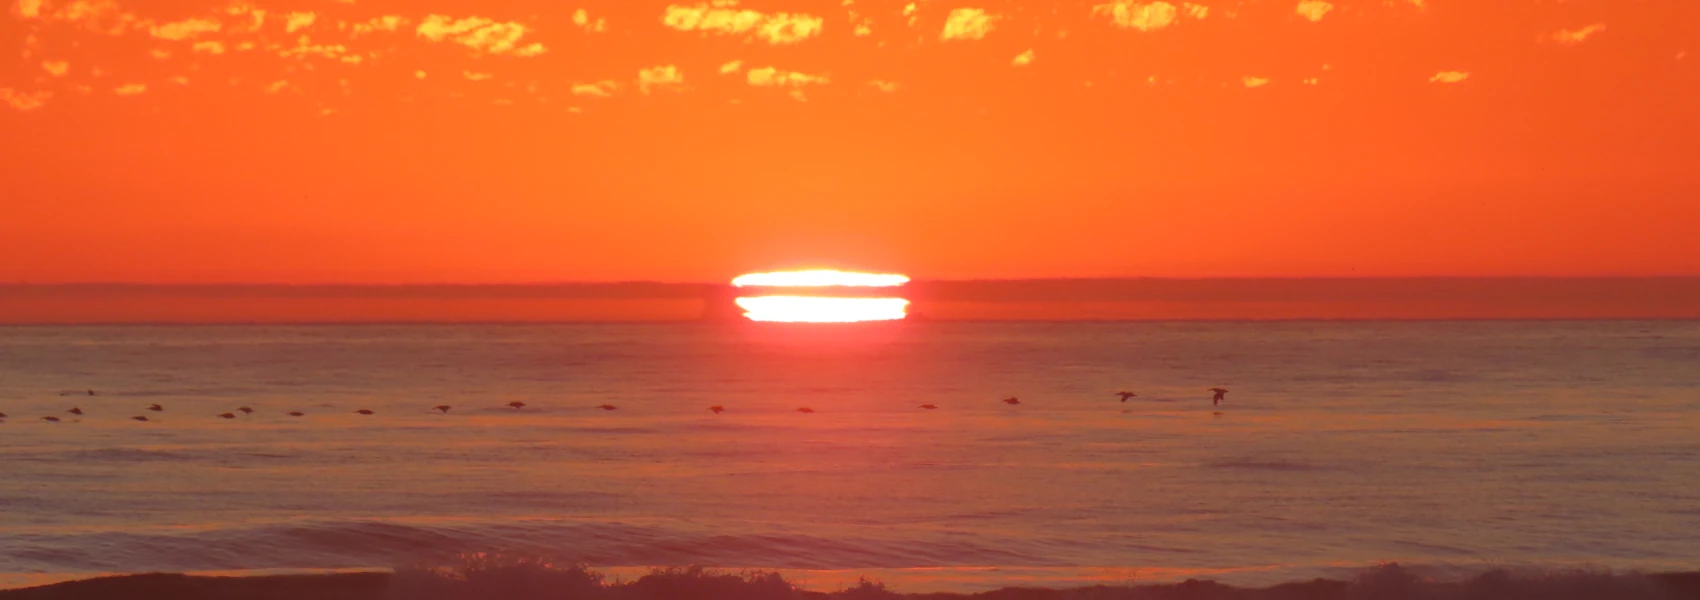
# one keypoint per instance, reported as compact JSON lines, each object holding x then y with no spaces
{"x":1012,"y":401}
{"x":363,"y":412}
{"x":1221,"y":394}
{"x":91,"y":392}
{"x":517,"y":405}
{"x":717,"y":409}
{"x":1126,"y":395}
{"x":929,"y":407}
{"x":50,"y":419}
{"x":143,"y":419}
{"x":75,"y":411}
{"x":226,"y":415}
{"x":296,"y":413}
{"x":607,"y":407}
{"x":2,"y":415}
{"x":444,"y":408}
{"x":805,"y":410}
{"x":245,"y":410}
{"x":156,"y":408}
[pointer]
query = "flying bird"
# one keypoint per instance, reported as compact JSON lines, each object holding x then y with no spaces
{"x":1220,"y":395}
{"x":50,"y":419}
{"x":226,"y":415}
{"x":607,"y":407}
{"x":1012,"y":401}
{"x":143,"y":419}
{"x":805,"y":410}
{"x":363,"y":412}
{"x":2,"y":415}
{"x":75,"y":411}
{"x":444,"y":408}
{"x":156,"y":408}
{"x":517,"y":404}
{"x":929,"y":407}
{"x":1126,"y":395}
{"x":296,"y":413}
{"x":717,"y":409}
{"x":245,"y":410}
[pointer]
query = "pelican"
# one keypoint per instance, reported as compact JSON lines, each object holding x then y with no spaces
{"x":607,"y":407}
{"x":2,"y":415}
{"x":50,"y":419}
{"x":75,"y":411}
{"x":929,"y":407}
{"x":363,"y":412}
{"x":156,"y":408}
{"x":1126,"y":395}
{"x":245,"y":410}
{"x":1012,"y":401}
{"x":716,"y":409}
{"x":226,"y":415}
{"x":142,"y":419}
{"x":1220,"y":395}
{"x":517,"y":404}
{"x":91,"y":392}
{"x":296,"y":413}
{"x":805,"y":410}
{"x":444,"y":408}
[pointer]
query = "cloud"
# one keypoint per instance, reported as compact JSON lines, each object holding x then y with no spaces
{"x":28,"y":9}
{"x":600,"y":89}
{"x":968,"y":24}
{"x":1196,"y":11}
{"x":385,"y":23}
{"x":276,"y":86}
{"x":304,"y":47}
{"x":477,"y":76}
{"x":1129,"y":14}
{"x":664,"y":77}
{"x":723,"y":17}
{"x":209,"y":47}
{"x":24,"y":101}
{"x":582,"y":19}
{"x":731,"y":67}
{"x":1254,"y":82}
{"x":1570,"y":37}
{"x":130,"y":89}
{"x":1313,"y":9}
{"x":481,"y":34}
{"x":99,"y":16}
{"x":297,"y":21}
{"x":884,"y":86}
{"x":56,"y":68}
{"x":1023,"y":59}
{"x":181,"y":30}
{"x":772,"y":77}
{"x":1450,"y":76}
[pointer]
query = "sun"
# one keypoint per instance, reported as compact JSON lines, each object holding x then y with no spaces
{"x":817,"y":307}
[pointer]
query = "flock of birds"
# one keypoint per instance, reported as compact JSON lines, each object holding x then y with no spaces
{"x":1219,"y":394}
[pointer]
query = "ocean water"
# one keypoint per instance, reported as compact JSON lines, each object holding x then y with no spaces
{"x":1451,"y":446}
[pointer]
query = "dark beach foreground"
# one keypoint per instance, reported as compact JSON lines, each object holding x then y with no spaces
{"x":536,"y":581}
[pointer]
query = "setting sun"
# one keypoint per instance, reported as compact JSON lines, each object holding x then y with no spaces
{"x":816,"y":308}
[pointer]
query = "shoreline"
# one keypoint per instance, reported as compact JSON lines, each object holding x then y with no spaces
{"x":522,"y":580}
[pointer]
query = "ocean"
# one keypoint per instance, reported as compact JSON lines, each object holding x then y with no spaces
{"x":1450,"y":447}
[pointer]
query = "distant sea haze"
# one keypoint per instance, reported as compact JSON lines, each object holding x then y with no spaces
{"x":988,"y":300}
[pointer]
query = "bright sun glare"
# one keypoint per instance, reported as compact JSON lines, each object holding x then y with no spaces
{"x":821,"y":309}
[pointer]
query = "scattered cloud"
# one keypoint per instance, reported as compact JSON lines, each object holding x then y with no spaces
{"x":386,"y":23}
{"x":582,"y":19}
{"x":276,"y":86}
{"x":297,"y":21}
{"x":475,"y":76}
{"x":968,"y":24}
{"x":24,"y":101}
{"x":1254,"y":82}
{"x":1130,"y":14}
{"x":1023,"y":59}
{"x":663,"y":77}
{"x":884,"y":86}
{"x":731,"y":67}
{"x":1571,"y":37}
{"x":481,"y":34}
{"x":182,"y":30}
{"x":772,"y":77}
{"x":600,"y":89}
{"x":723,"y":17}
{"x":1450,"y":76}
{"x":56,"y":68}
{"x":1196,"y":11}
{"x":130,"y":89}
{"x":209,"y":47}
{"x":1314,"y":10}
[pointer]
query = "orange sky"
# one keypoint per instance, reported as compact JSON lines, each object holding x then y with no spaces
{"x":450,"y":140}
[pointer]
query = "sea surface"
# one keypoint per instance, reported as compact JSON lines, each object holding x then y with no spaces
{"x":1448,"y":446}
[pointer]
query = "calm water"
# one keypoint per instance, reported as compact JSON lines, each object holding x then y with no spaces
{"x":1456,"y":445}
